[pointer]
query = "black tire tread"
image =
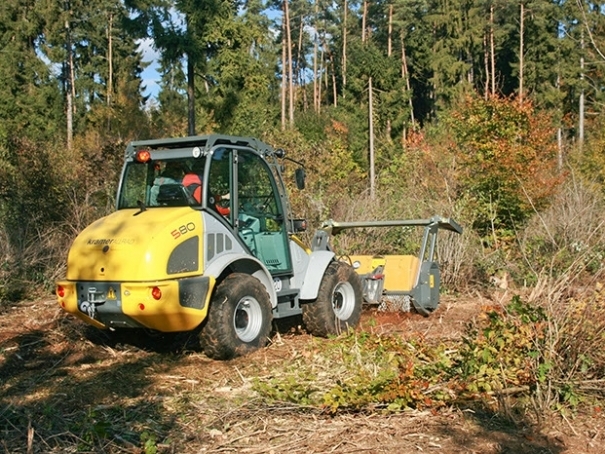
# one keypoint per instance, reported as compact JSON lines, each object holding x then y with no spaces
{"x":218,"y":337}
{"x":319,"y":317}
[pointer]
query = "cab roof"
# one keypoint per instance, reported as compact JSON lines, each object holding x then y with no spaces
{"x":205,"y":142}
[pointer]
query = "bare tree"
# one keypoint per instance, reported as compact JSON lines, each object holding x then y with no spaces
{"x":290,"y":72}
{"x":370,"y":110}
{"x":344,"y":47}
{"x":363,"y":21}
{"x":371,"y":127}
{"x":406,"y":75}
{"x":492,"y":47}
{"x":521,"y":50}
{"x":110,"y":59}
{"x":299,"y":58}
{"x":390,"y":32}
{"x":486,"y":64}
{"x":283,"y":78}
{"x":70,"y":87}
{"x":315,"y":75}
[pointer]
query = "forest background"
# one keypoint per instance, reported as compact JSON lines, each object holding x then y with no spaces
{"x":486,"y":111}
{"x":483,"y":110}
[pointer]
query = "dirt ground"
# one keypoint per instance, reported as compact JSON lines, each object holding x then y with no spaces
{"x":65,"y":387}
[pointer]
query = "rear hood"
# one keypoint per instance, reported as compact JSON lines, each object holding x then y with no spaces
{"x":130,"y":245}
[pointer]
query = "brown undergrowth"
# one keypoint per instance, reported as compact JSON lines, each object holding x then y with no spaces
{"x":65,"y":387}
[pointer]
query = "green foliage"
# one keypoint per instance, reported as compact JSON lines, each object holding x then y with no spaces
{"x":149,"y":442}
{"x":364,"y":370}
{"x":508,"y":351}
{"x":91,"y":428}
{"x":504,"y":350}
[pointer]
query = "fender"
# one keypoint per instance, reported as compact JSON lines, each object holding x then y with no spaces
{"x":245,"y":264}
{"x":318,"y":263}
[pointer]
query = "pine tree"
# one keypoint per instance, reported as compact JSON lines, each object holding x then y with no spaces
{"x":244,"y":90}
{"x":30,"y":106}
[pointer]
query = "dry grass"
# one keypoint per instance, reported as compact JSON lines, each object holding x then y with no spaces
{"x":67,"y":388}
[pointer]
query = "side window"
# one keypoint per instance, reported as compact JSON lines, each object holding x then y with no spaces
{"x":256,"y":193}
{"x":219,"y":182}
{"x":260,"y":216}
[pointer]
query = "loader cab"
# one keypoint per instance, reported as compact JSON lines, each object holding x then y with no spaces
{"x":257,"y":209}
{"x":234,"y":183}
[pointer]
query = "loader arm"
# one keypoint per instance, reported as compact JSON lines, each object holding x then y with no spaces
{"x":439,"y":222}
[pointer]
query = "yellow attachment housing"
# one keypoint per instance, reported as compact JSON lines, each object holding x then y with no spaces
{"x":400,"y":271}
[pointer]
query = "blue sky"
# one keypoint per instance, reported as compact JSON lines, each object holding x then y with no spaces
{"x":150,"y":75}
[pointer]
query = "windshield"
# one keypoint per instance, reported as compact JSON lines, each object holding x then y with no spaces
{"x":168,"y":182}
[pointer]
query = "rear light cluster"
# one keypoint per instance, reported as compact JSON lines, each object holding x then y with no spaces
{"x":156,"y":294}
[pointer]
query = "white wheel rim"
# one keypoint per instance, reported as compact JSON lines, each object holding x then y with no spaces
{"x":343,"y":300}
{"x":247,"y":319}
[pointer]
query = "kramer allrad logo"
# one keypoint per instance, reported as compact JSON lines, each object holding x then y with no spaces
{"x":110,"y":241}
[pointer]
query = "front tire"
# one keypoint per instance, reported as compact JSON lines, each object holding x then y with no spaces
{"x":338,"y":304}
{"x":239,"y":318}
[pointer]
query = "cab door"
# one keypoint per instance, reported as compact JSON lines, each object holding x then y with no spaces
{"x":261,"y":220}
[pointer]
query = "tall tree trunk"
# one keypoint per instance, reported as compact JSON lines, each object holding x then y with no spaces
{"x":69,"y":85}
{"x":363,"y":21}
{"x":290,"y":72}
{"x":332,"y":73}
{"x":521,"y":51}
{"x":109,"y":68}
{"x":315,"y":74}
{"x":190,"y":85}
{"x":581,"y":107}
{"x":321,"y":79}
{"x":370,"y":106}
{"x":371,"y":128}
{"x":69,"y":81}
{"x":344,"y":49}
{"x":390,"y":32}
{"x":405,"y":74}
{"x":486,"y":64}
{"x":389,"y":53}
{"x":69,"y":120}
{"x":300,"y":70}
{"x":190,"y":96}
{"x":284,"y":90}
{"x":559,"y":129}
{"x":492,"y":47}
{"x":110,"y":60}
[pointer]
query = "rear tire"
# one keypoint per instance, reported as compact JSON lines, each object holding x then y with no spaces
{"x":239,"y":318}
{"x":338,"y":304}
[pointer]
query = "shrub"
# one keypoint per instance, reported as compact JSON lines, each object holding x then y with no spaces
{"x":508,"y":163}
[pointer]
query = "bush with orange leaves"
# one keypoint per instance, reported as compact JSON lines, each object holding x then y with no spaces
{"x":507,"y":153}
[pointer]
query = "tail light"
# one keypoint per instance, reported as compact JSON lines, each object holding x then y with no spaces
{"x":156,"y":293}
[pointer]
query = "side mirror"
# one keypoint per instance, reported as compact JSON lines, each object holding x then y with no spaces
{"x":299,"y":174}
{"x":299,"y":225}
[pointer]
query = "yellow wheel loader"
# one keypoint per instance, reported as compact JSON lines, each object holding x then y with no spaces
{"x":202,"y":239}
